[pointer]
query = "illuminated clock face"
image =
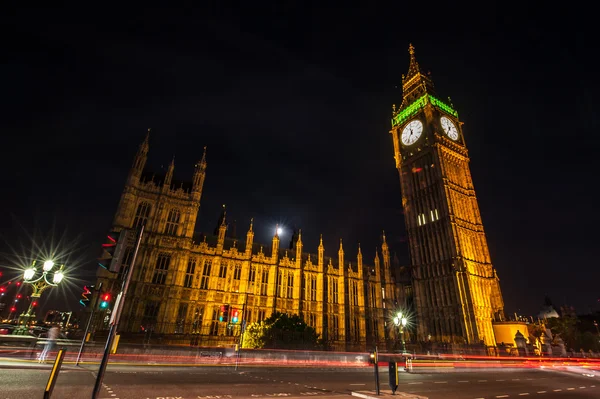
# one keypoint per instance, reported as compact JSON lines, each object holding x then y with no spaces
{"x":412,"y":132}
{"x":449,"y":128}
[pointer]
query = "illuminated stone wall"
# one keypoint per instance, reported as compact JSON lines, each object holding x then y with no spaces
{"x":181,"y":279}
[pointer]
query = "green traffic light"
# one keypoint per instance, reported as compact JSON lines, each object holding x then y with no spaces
{"x":103,"y":305}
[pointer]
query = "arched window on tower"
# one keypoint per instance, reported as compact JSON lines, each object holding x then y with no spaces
{"x":141,"y":215}
{"x":162,"y":269}
{"x":172,"y":222}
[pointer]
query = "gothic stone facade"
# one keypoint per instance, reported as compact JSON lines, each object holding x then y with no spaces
{"x":456,"y":288}
{"x":180,"y":279}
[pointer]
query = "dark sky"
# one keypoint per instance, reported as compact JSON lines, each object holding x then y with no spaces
{"x":294,"y":103}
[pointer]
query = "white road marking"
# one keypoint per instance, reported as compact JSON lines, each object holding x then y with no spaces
{"x":440,"y":382}
{"x":541,"y":391}
{"x":557,"y":390}
{"x":581,"y":387}
{"x":414,"y":383}
{"x":524,"y":394}
{"x":570,"y":389}
{"x":502,"y":396}
{"x":463,"y":381}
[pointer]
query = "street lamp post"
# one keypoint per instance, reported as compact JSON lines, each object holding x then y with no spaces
{"x":400,"y":322}
{"x":39,"y":285}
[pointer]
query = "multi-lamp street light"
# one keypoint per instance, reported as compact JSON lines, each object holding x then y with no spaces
{"x":41,"y":283}
{"x":400,"y":321}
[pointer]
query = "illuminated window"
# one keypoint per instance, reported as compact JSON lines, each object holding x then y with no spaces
{"x":141,"y":215}
{"x":205,"y":275}
{"x":432,"y":216}
{"x":189,"y":273}
{"x":279,"y":284}
{"x":264,"y":282}
{"x":437,"y":215}
{"x":290,"y":286}
{"x":237,"y":272}
{"x":161,"y":269}
{"x":333,"y":290}
{"x":223,"y":270}
{"x":172,"y":222}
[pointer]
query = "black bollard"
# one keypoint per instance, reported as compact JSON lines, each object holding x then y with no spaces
{"x":393,"y":368}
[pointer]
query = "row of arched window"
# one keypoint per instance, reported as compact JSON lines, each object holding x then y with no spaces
{"x":142,"y":215}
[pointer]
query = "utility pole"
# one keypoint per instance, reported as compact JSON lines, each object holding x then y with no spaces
{"x":242,"y":329}
{"x":114,"y":320}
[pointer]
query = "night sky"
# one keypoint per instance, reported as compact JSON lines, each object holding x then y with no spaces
{"x":294,"y":104}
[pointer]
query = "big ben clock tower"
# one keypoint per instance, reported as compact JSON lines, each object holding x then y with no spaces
{"x":456,"y":288}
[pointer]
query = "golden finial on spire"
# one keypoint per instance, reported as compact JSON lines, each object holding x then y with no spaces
{"x":251,"y":223}
{"x":321,"y":240}
{"x":411,"y":49}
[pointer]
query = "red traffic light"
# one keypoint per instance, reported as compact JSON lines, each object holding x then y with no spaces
{"x":19,"y":296}
{"x":13,"y":309}
{"x":106,"y":297}
{"x":34,"y":304}
{"x":18,"y":283}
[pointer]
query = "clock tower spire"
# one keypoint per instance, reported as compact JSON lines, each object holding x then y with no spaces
{"x":456,"y":288}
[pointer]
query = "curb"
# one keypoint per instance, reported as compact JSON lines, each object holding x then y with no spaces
{"x":386,"y":394}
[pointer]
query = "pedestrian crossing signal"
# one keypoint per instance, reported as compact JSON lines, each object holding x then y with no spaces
{"x":105,"y":301}
{"x":224,"y":316}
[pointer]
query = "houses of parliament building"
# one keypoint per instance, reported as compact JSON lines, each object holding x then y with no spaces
{"x":181,"y":279}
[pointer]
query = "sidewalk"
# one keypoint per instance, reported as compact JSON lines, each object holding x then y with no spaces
{"x":12,"y":363}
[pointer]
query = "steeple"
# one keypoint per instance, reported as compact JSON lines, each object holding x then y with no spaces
{"x":321,"y":252}
{"x":249,"y":238}
{"x":359,"y":261}
{"x":384,"y":245}
{"x":199,"y":175}
{"x":416,"y":83}
{"x":169,"y":175}
{"x":299,"y":247}
{"x":341,"y":256}
{"x":140,"y":159}
{"x":221,"y":220}
{"x":385,"y":252}
{"x":275,"y":248}
{"x":222,"y":229}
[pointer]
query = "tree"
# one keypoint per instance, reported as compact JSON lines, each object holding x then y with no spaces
{"x":564,"y":327}
{"x":281,"y":331}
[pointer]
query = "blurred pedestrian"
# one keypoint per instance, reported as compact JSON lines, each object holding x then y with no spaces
{"x":51,"y":338}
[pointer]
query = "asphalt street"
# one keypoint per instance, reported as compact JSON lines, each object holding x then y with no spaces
{"x":154,"y":382}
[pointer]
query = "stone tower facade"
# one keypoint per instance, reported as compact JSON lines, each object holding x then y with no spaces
{"x":456,"y":288}
{"x":182,"y":277}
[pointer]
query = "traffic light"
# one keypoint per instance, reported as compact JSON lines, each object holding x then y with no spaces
{"x":235,"y":316}
{"x":105,"y":300}
{"x":86,"y":295}
{"x":113,"y":250}
{"x":224,"y":313}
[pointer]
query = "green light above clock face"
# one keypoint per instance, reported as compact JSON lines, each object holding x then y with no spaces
{"x":419,"y":103}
